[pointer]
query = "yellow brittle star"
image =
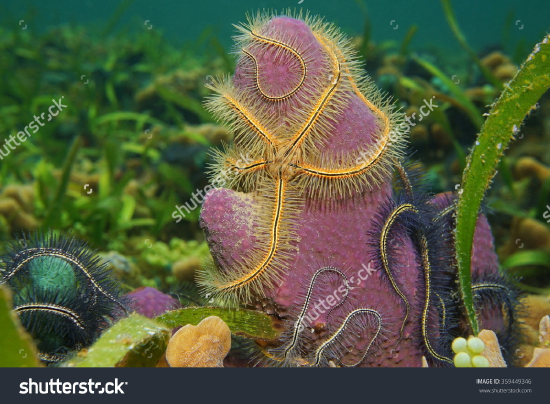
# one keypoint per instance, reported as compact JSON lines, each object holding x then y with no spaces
{"x":283,"y":125}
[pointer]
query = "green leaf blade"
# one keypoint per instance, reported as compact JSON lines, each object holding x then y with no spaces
{"x":246,"y":323}
{"x":517,"y":99}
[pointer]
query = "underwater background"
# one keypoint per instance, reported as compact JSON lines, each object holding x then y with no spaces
{"x":485,"y":23}
{"x":131,"y":139}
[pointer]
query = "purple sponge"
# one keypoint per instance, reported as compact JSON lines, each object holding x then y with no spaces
{"x":311,"y":229}
{"x":150,"y":302}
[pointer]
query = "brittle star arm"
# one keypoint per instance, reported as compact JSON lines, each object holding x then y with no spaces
{"x":257,"y":69}
{"x":344,"y":172}
{"x":427,"y":303}
{"x":250,"y":120}
{"x":32,"y":253}
{"x":367,"y":162}
{"x":339,"y":66}
{"x":252,"y":276}
{"x":233,"y":164}
{"x":333,"y":338}
{"x":321,"y":103}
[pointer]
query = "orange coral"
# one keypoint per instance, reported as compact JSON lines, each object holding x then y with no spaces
{"x":544,"y":330}
{"x":533,"y":235}
{"x":204,"y":345}
{"x":184,"y":270}
{"x":530,"y":167}
{"x":541,"y":359}
{"x":536,"y":307}
{"x":541,"y":356}
{"x":500,"y":65}
{"x":495,"y":59}
{"x":492,"y":349}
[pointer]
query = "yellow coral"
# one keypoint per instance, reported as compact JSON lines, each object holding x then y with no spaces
{"x":16,"y":205}
{"x":541,"y":356}
{"x":544,"y":331}
{"x":541,"y":359}
{"x":530,"y":167}
{"x":492,"y":349}
{"x":184,"y":269}
{"x":204,"y":345}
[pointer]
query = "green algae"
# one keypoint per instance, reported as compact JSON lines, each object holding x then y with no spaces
{"x":241,"y":322}
{"x":505,"y":118}
{"x":55,"y":204}
{"x":404,"y":49}
{"x":113,"y":87}
{"x":451,"y":20}
{"x":455,"y":90}
{"x":18,"y":349}
{"x":135,"y":341}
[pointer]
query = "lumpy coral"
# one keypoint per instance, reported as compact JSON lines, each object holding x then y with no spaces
{"x":203,"y":345}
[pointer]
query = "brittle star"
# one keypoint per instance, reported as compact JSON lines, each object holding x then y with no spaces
{"x":286,"y":161}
